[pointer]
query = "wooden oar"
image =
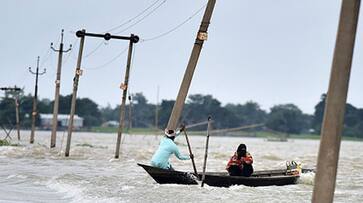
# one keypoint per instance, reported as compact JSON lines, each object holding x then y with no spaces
{"x":190,"y":152}
{"x":206,"y":150}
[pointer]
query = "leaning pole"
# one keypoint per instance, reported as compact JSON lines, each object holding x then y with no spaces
{"x":188,"y":75}
{"x":335,"y":104}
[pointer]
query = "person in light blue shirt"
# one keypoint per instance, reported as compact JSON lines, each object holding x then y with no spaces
{"x":166,"y":148}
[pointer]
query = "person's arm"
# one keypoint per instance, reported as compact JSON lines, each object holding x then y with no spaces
{"x":182,"y":128}
{"x":248,"y":159}
{"x":229,"y":163}
{"x":180,"y":156}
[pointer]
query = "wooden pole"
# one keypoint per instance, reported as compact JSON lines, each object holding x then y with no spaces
{"x":53,"y":136}
{"x":74,"y":94}
{"x":130,"y":112}
{"x":206,"y":150}
{"x":335,"y":104}
{"x":124,"y":87}
{"x":188,"y":75}
{"x":35,"y":100}
{"x":157,"y":109}
{"x":190,"y":152}
{"x":17,"y":116}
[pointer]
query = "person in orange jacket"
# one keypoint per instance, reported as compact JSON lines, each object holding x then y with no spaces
{"x":240,"y":163}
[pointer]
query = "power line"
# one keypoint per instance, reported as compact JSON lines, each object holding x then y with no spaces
{"x":128,"y":21}
{"x":176,"y":27}
{"x":110,"y":61}
{"x":95,"y":49}
{"x":141,"y":19}
{"x":70,"y":53}
{"x":133,"y":18}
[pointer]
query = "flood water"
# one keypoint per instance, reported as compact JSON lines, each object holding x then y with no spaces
{"x":35,"y":173}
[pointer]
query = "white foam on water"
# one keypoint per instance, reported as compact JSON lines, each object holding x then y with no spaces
{"x":16,"y":176}
{"x":307,"y":178}
{"x":127,"y":187}
{"x":75,"y":193}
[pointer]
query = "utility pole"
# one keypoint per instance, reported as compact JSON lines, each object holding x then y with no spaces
{"x":188,"y":75}
{"x":16,"y":101}
{"x":57,"y":89}
{"x":333,"y":120}
{"x":82,"y":34}
{"x":35,"y":98}
{"x":130,"y":111}
{"x":74,"y":94}
{"x":157,"y":109}
{"x":124,"y":86}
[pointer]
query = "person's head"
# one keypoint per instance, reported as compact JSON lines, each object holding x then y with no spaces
{"x":170,"y":134}
{"x":241,"y":150}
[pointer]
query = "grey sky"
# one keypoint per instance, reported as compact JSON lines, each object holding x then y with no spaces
{"x":271,"y":52}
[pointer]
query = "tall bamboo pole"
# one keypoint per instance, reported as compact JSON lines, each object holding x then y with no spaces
{"x":206,"y":150}
{"x":335,"y":104}
{"x":190,"y":152}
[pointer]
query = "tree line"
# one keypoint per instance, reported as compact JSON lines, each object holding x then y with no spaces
{"x":285,"y":118}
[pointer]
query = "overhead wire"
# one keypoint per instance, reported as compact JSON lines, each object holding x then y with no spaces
{"x":176,"y":27}
{"x":95,"y":49}
{"x":70,"y":52}
{"x":126,"y":22}
{"x":108,"y":62}
{"x":141,"y":19}
{"x":133,"y":18}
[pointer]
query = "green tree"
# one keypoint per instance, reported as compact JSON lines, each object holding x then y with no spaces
{"x":199,"y":107}
{"x":352,"y":119}
{"x":248,"y":113}
{"x":142,"y":112}
{"x":165,"y":109}
{"x":286,"y":118}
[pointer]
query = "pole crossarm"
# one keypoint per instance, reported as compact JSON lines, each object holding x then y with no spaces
{"x":61,"y":46}
{"x":108,"y":36}
{"x":10,"y":88}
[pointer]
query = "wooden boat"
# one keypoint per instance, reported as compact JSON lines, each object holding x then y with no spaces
{"x":164,"y":176}
{"x":259,"y":178}
{"x":223,"y":179}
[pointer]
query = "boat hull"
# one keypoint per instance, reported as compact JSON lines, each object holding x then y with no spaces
{"x":256,"y":181}
{"x":163,"y":176}
{"x":222,"y":179}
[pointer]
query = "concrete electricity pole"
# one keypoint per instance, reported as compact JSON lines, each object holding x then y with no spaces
{"x":133,"y":39}
{"x":57,"y":89}
{"x":74,"y":94}
{"x":335,"y":104}
{"x":35,"y":98}
{"x":130,"y":112}
{"x":188,"y":75}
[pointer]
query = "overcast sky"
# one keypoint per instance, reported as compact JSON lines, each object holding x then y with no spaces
{"x":271,"y":52}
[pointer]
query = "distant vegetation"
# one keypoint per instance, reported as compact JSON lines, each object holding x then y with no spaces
{"x":283,"y":118}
